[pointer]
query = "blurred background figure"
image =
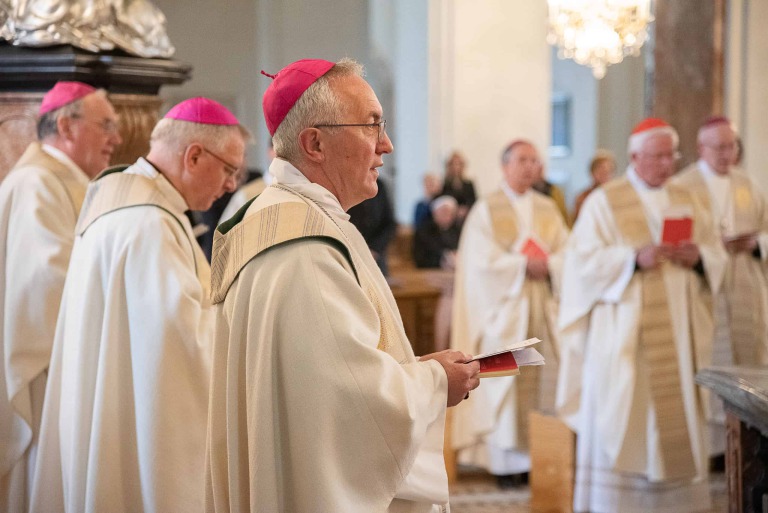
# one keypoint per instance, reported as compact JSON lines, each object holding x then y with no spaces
{"x":432,"y":187}
{"x":456,"y":185}
{"x":602,"y":168}
{"x":437,"y":237}
{"x":375,"y":220}
{"x":551,"y":190}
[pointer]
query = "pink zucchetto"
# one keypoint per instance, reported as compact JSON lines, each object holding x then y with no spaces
{"x":288,"y":86}
{"x":647,"y":128}
{"x":202,"y":110}
{"x":64,"y":93}
{"x":713,"y":121}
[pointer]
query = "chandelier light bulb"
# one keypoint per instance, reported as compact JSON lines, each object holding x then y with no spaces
{"x":598,"y":33}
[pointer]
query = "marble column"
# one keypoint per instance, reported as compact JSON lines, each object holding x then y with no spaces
{"x":687,"y":75}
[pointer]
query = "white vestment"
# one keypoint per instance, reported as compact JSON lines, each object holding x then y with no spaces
{"x":495,"y":305}
{"x":317,"y":401}
{"x":125,"y":415}
{"x":39,"y":203}
{"x":737,"y":207}
{"x":604,"y":390}
{"x":242,"y":196}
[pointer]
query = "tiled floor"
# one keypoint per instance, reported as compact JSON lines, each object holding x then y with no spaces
{"x":477,"y":493}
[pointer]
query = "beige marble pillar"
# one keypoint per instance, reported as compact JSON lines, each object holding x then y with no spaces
{"x":688,"y":66}
{"x":18,"y":117}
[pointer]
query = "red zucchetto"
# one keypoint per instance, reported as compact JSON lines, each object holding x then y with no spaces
{"x":288,"y":86}
{"x":647,"y":128}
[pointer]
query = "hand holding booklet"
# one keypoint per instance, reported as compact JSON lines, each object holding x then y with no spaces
{"x":507,"y":362}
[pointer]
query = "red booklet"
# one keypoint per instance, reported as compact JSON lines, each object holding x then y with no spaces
{"x":506,"y":362}
{"x":503,"y":364}
{"x":677,"y":230}
{"x":532,"y":250}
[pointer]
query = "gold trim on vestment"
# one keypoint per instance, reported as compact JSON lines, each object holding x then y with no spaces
{"x":34,"y":155}
{"x":657,"y":338}
{"x":296,"y":218}
{"x":121,"y":190}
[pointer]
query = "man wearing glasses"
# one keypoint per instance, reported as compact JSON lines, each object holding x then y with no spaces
{"x":636,"y":326}
{"x":39,"y":203}
{"x":126,"y":410}
{"x":318,"y":402}
{"x":740,"y":212}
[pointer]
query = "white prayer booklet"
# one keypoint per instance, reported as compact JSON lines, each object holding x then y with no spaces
{"x":507,"y":362}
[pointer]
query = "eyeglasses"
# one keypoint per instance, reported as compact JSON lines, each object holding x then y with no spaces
{"x":658,"y":157}
{"x":381,"y":126}
{"x":230,"y":169}
{"x":108,"y":126}
{"x":722,"y":148}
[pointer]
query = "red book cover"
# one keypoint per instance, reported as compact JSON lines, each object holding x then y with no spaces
{"x":677,"y":230}
{"x":532,"y":250}
{"x":502,"y":364}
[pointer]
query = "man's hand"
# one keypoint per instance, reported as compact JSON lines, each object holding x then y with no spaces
{"x":745,"y":244}
{"x":650,"y":256}
{"x":685,"y":254}
{"x":462,"y":377}
{"x":537,"y":268}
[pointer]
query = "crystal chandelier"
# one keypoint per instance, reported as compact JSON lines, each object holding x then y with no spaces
{"x":598,"y":33}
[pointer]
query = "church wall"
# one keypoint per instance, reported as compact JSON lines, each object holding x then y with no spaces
{"x":229,"y":44}
{"x":496,"y":58}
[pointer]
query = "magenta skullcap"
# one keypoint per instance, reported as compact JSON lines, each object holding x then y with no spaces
{"x":64,"y":93}
{"x":288,"y":86}
{"x":203,"y":111}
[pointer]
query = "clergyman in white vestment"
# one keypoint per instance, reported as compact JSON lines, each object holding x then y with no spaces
{"x":738,"y":209}
{"x":505,"y":293}
{"x":126,"y":407}
{"x":40,"y":200}
{"x":318,"y":402}
{"x":637,"y":325}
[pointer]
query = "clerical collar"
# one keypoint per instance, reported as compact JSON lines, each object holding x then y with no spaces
{"x":286,"y":173}
{"x":638,"y":182}
{"x":64,"y":159}
{"x":709,"y":172}
{"x":145,"y":168}
{"x":512,"y":194}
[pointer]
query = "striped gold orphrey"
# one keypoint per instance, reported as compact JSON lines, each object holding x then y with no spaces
{"x":505,"y":233}
{"x":657,"y":340}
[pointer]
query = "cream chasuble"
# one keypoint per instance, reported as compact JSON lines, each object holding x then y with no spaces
{"x":124,"y":421}
{"x":39,"y":203}
{"x":631,"y":343}
{"x":318,"y":403}
{"x":737,"y":207}
{"x":496,"y":305}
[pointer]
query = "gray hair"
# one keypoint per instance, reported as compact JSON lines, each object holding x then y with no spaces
{"x":317,"y":105}
{"x":48,"y":124}
{"x":175,"y":134}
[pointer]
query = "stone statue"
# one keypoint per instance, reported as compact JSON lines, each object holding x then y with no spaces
{"x":135,"y":26}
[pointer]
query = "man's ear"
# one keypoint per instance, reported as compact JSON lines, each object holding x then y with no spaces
{"x":64,"y":127}
{"x":192,"y":155}
{"x":312,"y":145}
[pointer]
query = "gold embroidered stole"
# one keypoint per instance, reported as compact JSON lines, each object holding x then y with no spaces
{"x":118,"y":190}
{"x":297,"y":218}
{"x":34,"y":155}
{"x":657,"y":339}
{"x":505,"y":233}
{"x":743,"y":318}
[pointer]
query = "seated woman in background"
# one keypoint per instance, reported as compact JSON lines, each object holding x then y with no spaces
{"x":437,"y":237}
{"x":602,"y":168}
{"x":458,"y":187}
